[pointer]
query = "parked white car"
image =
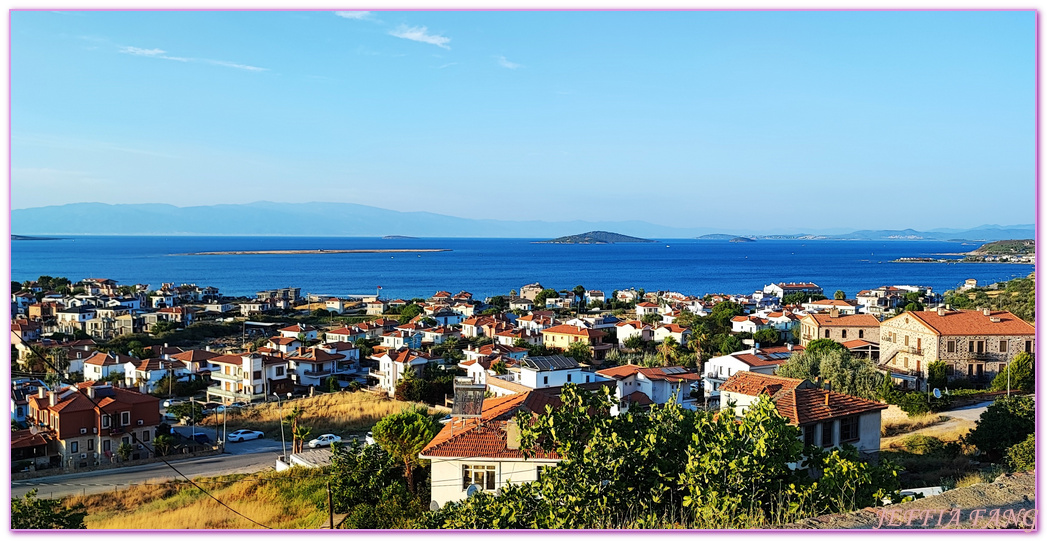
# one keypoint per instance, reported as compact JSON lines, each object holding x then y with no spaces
{"x":324,"y":441}
{"x":173,"y":402}
{"x":244,"y":435}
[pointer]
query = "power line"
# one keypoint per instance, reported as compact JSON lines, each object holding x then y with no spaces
{"x":134,"y":437}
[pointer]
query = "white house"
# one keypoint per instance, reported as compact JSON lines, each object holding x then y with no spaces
{"x":393,"y":364}
{"x":311,"y":366}
{"x":644,"y":308}
{"x":248,"y":377}
{"x":676,"y":332}
{"x":484,"y":454}
{"x":344,"y":334}
{"x":628,"y":329}
{"x":764,"y":361}
{"x":749,"y":324}
{"x":552,"y":371}
{"x":297,"y":329}
{"x":150,"y":371}
{"x":639,"y":386}
{"x":824,"y":305}
{"x":101,"y":365}
{"x":826,"y":418}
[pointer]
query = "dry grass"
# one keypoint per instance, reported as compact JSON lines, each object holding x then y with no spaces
{"x":292,"y":499}
{"x":906,"y":425}
{"x":340,"y":413}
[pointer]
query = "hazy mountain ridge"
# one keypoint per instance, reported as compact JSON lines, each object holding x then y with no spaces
{"x":352,"y":220}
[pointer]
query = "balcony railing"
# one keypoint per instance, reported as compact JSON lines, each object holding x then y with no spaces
{"x":915,"y":350}
{"x":376,"y":373}
{"x":981,"y":356}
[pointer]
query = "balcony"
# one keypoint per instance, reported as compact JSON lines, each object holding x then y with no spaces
{"x":376,"y":373}
{"x":914,"y":351}
{"x":982,"y":356}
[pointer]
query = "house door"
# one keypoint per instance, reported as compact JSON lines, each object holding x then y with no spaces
{"x":979,"y":346}
{"x":917,"y":365}
{"x":919,"y":344}
{"x":978,"y":370}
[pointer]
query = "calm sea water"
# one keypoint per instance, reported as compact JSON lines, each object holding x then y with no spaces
{"x":495,"y":266}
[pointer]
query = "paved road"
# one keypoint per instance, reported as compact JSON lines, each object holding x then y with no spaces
{"x":106,"y":480}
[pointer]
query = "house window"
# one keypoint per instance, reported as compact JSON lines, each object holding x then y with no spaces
{"x":827,"y":333}
{"x":145,"y":435}
{"x":125,"y":418}
{"x":107,"y":445}
{"x":907,"y":340}
{"x":906,"y":362}
{"x":106,"y":421}
{"x":950,"y":369}
{"x":568,"y":378}
{"x":1028,"y":346}
{"x":827,"y":434}
{"x":950,"y":346}
{"x":808,"y":435}
{"x":90,"y":445}
{"x":545,"y":380}
{"x":849,"y":428}
{"x":476,"y":474}
{"x":257,"y":374}
{"x":279,"y":371}
{"x":843,"y":333}
{"x":74,"y":447}
{"x":861,"y":333}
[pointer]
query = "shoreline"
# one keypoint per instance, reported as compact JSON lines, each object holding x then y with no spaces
{"x":294,"y":252}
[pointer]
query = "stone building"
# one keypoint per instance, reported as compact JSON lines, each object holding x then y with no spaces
{"x":975,"y":344}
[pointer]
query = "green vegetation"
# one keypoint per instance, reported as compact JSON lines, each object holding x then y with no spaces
{"x":1017,"y":296}
{"x":1007,"y":422}
{"x":32,"y":513}
{"x":700,"y":470}
{"x":540,"y":298}
{"x":431,"y":387}
{"x":801,"y":297}
{"x":1022,"y":456}
{"x":846,"y":374}
{"x":403,"y":435}
{"x":594,"y":237}
{"x":1007,"y":247}
{"x":1019,"y":374}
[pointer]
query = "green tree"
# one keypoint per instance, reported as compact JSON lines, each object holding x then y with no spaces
{"x":651,"y":319}
{"x":580,"y":352}
{"x":162,"y":444}
{"x":500,"y":368}
{"x":332,"y":385}
{"x":124,"y":451}
{"x":847,"y":374}
{"x":1021,"y":372}
{"x":32,"y":513}
{"x":15,"y":287}
{"x":730,"y":344}
{"x":540,"y":298}
{"x":298,"y":438}
{"x":1006,"y":422}
{"x":936,"y":375}
{"x":767,"y":337}
{"x":839,"y":295}
{"x":163,"y":326}
{"x":408,"y":313}
{"x":669,"y":351}
{"x":403,"y":435}
{"x":635,"y":342}
{"x":1022,"y":456}
{"x":823,"y":344}
{"x":801,"y":297}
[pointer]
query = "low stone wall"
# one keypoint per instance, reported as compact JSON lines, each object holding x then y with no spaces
{"x":109,"y":466}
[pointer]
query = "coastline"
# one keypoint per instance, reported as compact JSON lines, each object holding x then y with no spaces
{"x":292,"y":252}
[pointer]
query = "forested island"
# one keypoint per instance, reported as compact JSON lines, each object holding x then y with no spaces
{"x":594,"y":237}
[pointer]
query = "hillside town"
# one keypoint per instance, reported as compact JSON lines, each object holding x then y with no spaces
{"x":103,"y":372}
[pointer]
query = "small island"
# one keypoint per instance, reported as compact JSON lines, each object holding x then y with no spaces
{"x":24,"y":237}
{"x":742,"y":239}
{"x":398,"y":237}
{"x":293,"y":252}
{"x":717,"y":236}
{"x":594,"y":237}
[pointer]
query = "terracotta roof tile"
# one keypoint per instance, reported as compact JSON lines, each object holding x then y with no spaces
{"x":967,"y":322}
{"x":804,"y":406}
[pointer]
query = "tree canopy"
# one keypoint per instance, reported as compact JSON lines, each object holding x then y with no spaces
{"x":1021,"y":373}
{"x":32,"y":513}
{"x":403,"y":435}
{"x":847,"y":374}
{"x":1006,"y":422}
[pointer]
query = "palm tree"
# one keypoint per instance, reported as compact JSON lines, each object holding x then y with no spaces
{"x":298,"y":437}
{"x":697,"y":344}
{"x":667,"y":350}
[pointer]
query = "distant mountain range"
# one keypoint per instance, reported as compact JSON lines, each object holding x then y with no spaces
{"x":351,"y":220}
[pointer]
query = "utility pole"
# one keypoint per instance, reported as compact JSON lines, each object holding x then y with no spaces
{"x":330,"y":504}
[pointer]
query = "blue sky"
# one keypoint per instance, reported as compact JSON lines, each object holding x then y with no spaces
{"x":688,"y":119}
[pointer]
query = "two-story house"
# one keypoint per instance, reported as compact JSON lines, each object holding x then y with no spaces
{"x":974,"y":344}
{"x":761,"y":360}
{"x":839,"y":327}
{"x":639,"y":386}
{"x":248,"y":377}
{"x":562,"y":336}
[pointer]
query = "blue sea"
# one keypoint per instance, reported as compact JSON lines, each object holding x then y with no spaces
{"x":487,"y":267}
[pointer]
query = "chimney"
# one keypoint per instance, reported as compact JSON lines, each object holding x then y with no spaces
{"x":834,"y":312}
{"x":41,"y":393}
{"x":789,"y":347}
{"x":941,"y":311}
{"x":826,"y":399}
{"x":53,"y":398}
{"x":512,"y":435}
{"x":91,"y":392}
{"x":141,"y":388}
{"x":207,"y":348}
{"x":828,"y":387}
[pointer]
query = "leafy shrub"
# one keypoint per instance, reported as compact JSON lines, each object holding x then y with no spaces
{"x":1005,"y":423}
{"x":1022,"y":456}
{"x":923,"y":445}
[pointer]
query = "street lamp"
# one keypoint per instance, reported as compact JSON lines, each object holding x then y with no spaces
{"x":283,"y":442}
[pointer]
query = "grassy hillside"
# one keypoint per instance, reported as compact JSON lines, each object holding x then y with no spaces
{"x":339,"y":413}
{"x":291,"y":499}
{"x":1018,"y":296}
{"x":1007,"y":247}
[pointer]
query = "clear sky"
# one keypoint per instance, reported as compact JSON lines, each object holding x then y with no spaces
{"x":689,"y":119}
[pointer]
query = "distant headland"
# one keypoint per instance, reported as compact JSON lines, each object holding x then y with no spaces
{"x":594,"y":237}
{"x":24,"y":237}
{"x":398,"y":237}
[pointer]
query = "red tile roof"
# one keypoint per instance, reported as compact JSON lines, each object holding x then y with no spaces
{"x":851,"y":344}
{"x":844,"y":320}
{"x":194,"y":355}
{"x":969,"y":322}
{"x":673,"y":374}
{"x":486,"y":437}
{"x":647,"y":305}
{"x":575,"y":331}
{"x":639,"y":398}
{"x":804,"y":406}
{"x":754,"y":383}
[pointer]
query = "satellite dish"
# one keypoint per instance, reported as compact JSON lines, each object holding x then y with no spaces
{"x":434,"y":506}
{"x":473,"y":489}
{"x":937,"y":393}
